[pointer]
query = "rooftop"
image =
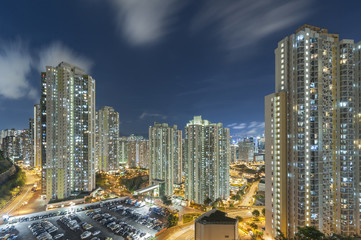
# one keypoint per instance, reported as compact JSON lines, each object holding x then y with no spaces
{"x":216,"y":217}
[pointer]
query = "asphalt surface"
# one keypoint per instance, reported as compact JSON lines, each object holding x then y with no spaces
{"x":26,"y":234}
{"x":15,"y":206}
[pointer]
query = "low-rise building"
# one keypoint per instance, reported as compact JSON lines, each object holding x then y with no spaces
{"x":215,"y":225}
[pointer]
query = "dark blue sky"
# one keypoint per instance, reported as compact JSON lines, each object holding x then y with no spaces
{"x":159,"y":60}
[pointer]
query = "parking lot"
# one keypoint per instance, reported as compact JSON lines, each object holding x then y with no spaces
{"x":120,"y":218}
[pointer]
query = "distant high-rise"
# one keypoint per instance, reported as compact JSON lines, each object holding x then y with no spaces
{"x":207,"y":158}
{"x":37,"y":136}
{"x":313,"y":135}
{"x":107,"y":137}
{"x":165,"y":153}
{"x":246,"y":149}
{"x":133,"y":151}
{"x":123,"y":150}
{"x":234,"y":153}
{"x":67,"y":108}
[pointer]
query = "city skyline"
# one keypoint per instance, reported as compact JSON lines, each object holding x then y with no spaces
{"x":181,"y":74}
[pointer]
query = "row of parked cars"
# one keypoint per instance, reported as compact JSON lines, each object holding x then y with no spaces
{"x":72,"y":222}
{"x":146,"y":220}
{"x":42,"y":229}
{"x":117,"y":226}
{"x":8,"y":233}
{"x":37,"y":217}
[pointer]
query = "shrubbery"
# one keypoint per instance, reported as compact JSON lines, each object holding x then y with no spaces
{"x":7,"y":189}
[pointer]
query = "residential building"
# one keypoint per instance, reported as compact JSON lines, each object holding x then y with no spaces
{"x":215,"y":225}
{"x":137,"y":152}
{"x":312,"y":135}
{"x":67,"y":109}
{"x":123,"y":150}
{"x":37,"y":136}
{"x":246,"y":149}
{"x":107,"y":138}
{"x":165,"y":154}
{"x":207,"y":158}
{"x":234,"y":153}
{"x":134,"y":151}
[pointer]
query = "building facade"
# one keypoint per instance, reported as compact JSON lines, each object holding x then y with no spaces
{"x":215,"y":225}
{"x":37,"y":136}
{"x":67,"y":108}
{"x":107,"y":138}
{"x":246,"y":149}
{"x":317,"y":140}
{"x":165,"y":154}
{"x":234,"y":153}
{"x":207,"y":158}
{"x":137,"y":151}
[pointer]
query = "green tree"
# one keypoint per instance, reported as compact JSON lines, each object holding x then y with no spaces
{"x":280,"y":235}
{"x":236,"y":197}
{"x":254,"y":226}
{"x":207,"y":201}
{"x":172,"y":220}
{"x":309,"y":233}
{"x":339,"y":237}
{"x":166,"y":200}
{"x":264,"y":212}
{"x":255,"y":213}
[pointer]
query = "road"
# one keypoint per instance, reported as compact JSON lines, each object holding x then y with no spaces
{"x":248,"y":198}
{"x":26,"y":195}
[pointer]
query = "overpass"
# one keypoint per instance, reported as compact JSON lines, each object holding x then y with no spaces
{"x":146,"y":189}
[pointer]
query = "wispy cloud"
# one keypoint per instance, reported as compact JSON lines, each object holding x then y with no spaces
{"x":57,"y":52}
{"x":157,"y":115}
{"x":242,"y":23}
{"x":144,"y":22}
{"x":253,"y":128}
{"x":15,"y":65}
{"x":240,"y":126}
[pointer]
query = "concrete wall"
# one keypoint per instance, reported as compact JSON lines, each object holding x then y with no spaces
{"x":216,"y":231}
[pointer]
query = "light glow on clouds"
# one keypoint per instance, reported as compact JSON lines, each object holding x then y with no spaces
{"x":144,"y":22}
{"x":242,"y":23}
{"x":15,"y":66}
{"x":57,"y":52}
{"x":253,"y":129}
{"x":157,"y":115}
{"x":16,"y":63}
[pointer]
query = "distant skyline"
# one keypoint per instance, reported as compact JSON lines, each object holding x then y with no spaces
{"x":158,"y":60}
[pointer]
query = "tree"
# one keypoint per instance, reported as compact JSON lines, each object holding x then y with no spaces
{"x":255,"y":213}
{"x":172,"y":220}
{"x":240,"y":219}
{"x":236,"y":197}
{"x":254,"y":226}
{"x":280,"y":235}
{"x":166,"y":200}
{"x":207,"y":201}
{"x":264,"y":212}
{"x":309,"y":233}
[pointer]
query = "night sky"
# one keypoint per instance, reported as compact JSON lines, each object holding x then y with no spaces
{"x":159,"y":60}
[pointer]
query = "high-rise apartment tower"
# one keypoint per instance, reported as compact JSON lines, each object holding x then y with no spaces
{"x":207,"y":158}
{"x":312,"y":135}
{"x":67,"y":109}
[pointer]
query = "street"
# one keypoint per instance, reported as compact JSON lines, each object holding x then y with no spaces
{"x":26,"y":195}
{"x":248,"y":197}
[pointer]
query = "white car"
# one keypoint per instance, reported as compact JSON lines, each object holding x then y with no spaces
{"x":60,"y":235}
{"x":85,"y":234}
